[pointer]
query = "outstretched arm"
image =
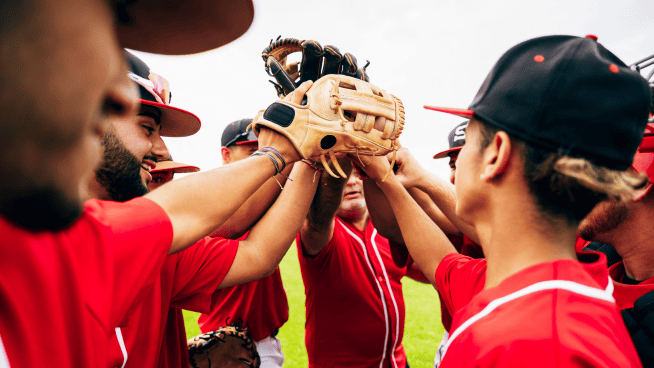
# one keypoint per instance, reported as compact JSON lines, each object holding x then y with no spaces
{"x":199,"y":204}
{"x":440,"y":192}
{"x":425,"y":241}
{"x":260,"y":253}
{"x":318,"y":227}
{"x":384,"y":220}
{"x":252,"y":210}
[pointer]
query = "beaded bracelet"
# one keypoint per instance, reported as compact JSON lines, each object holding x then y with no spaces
{"x":279,"y":155}
{"x":264,"y":151}
{"x":259,"y":153}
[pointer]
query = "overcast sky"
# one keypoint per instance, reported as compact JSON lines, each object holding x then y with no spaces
{"x":425,"y":52}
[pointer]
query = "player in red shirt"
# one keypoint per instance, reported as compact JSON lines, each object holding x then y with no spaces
{"x":524,"y":182}
{"x":261,"y":304}
{"x":154,"y":334}
{"x":64,"y":82}
{"x":623,"y":231}
{"x":352,"y":279}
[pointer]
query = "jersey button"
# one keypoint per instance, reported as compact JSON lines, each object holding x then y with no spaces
{"x":381,"y":279}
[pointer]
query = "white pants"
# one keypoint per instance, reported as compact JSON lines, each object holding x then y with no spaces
{"x":439,"y":352}
{"x":270,"y":351}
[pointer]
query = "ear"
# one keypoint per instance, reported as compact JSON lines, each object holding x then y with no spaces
{"x":226,"y":154}
{"x":642,"y":192}
{"x":497,"y":156}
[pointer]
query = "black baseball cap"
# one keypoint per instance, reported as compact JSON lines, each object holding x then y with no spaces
{"x":456,"y":139}
{"x":155,"y":91}
{"x":178,"y":27}
{"x":567,"y":94}
{"x":238,"y":133}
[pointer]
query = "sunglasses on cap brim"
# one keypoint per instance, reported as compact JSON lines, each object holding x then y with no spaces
{"x":155,"y":84}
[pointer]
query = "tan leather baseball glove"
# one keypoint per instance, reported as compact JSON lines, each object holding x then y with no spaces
{"x":227,"y":347}
{"x":342,"y":115}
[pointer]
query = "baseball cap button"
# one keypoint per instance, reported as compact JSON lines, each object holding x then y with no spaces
{"x":592,"y":37}
{"x":539,"y":58}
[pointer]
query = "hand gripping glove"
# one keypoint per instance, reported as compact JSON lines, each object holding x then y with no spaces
{"x":228,"y":346}
{"x":342,"y":115}
{"x":316,"y":62}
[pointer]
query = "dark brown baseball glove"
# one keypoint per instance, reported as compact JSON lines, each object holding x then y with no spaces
{"x":227,"y":347}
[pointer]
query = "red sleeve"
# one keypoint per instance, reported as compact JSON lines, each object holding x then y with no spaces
{"x":458,"y":279}
{"x":580,"y":244}
{"x":141,"y":236}
{"x":200,"y":270}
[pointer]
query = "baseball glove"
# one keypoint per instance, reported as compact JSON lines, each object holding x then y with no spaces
{"x":316,"y":62}
{"x":227,"y":347}
{"x":342,"y":115}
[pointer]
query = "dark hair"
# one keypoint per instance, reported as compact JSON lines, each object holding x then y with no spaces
{"x":558,"y":190}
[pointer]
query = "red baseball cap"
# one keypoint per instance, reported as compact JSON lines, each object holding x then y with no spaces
{"x":155,"y":91}
{"x":179,"y":27}
{"x":176,"y":167}
{"x":644,"y":157}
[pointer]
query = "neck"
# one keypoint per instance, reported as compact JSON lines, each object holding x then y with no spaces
{"x":633,"y":241}
{"x":516,"y":237}
{"x":360,"y":222}
{"x":97,"y":191}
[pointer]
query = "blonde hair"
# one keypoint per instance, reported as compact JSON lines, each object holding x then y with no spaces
{"x":620,"y":185}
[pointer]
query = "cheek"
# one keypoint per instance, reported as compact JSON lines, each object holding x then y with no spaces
{"x":81,"y":162}
{"x":133,"y":137}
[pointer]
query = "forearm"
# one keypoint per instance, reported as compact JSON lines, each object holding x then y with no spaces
{"x":433,"y":211}
{"x":381,"y":212}
{"x":198,"y":204}
{"x":319,"y":224}
{"x":252,"y":210}
{"x":425,"y":241}
{"x":443,"y":196}
{"x":268,"y":241}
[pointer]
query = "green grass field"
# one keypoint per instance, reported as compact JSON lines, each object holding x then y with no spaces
{"x":423,"y":330}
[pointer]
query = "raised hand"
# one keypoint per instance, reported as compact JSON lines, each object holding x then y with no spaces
{"x":408,"y":172}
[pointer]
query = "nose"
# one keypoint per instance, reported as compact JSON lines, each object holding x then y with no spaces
{"x":159,"y":148}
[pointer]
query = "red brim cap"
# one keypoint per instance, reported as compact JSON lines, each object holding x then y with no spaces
{"x":246,"y":142}
{"x":446,"y":153}
{"x":181,"y":27}
{"x":644,"y":158}
{"x":176,"y":167}
{"x":175,"y":122}
{"x":464,"y":113}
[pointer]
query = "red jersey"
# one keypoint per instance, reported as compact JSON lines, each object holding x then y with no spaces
{"x":262,"y":304}
{"x":542,"y":316}
{"x":71,"y":285}
{"x":154,"y":335}
{"x":625,"y":295}
{"x":354,"y":301}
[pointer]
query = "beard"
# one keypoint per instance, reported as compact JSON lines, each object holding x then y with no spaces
{"x":120,"y":171}
{"x":605,"y":217}
{"x":41,"y":208}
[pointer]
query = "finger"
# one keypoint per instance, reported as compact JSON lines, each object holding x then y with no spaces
{"x":297,"y":95}
{"x":333,"y":60}
{"x":311,"y":63}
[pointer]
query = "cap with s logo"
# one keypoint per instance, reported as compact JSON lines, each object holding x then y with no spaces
{"x":456,"y":139}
